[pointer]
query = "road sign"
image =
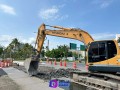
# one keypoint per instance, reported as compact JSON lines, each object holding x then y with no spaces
{"x":82,"y":47}
{"x":73,"y":46}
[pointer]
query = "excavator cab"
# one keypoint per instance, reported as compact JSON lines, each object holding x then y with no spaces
{"x":101,"y":54}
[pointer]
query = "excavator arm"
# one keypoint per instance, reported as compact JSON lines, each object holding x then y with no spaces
{"x":72,"y":33}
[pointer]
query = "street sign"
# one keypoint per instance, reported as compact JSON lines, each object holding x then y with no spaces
{"x":82,"y":47}
{"x":73,"y":46}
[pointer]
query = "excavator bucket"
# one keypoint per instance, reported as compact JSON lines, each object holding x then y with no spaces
{"x":31,"y":66}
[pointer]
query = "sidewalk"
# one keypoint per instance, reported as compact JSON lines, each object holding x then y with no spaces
{"x":26,"y":82}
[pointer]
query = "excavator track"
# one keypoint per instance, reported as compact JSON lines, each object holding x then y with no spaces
{"x":97,"y":81}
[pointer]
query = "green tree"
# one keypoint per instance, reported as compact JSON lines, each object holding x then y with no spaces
{"x":60,"y":51}
{"x":12,"y":48}
{"x":26,"y":50}
{"x":75,"y":54}
{"x":18,"y":50}
{"x":1,"y":50}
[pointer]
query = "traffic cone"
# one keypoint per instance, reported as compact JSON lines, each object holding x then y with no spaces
{"x":0,"y":64}
{"x":60,"y":63}
{"x":87,"y":67}
{"x":55,"y":62}
{"x":74,"y":65}
{"x":65,"y":63}
{"x":5,"y":64}
{"x":51,"y":62}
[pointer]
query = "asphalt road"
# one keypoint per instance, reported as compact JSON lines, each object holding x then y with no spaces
{"x":2,"y":72}
{"x":80,"y":66}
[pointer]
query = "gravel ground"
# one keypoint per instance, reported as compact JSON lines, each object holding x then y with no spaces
{"x":47,"y":73}
{"x":6,"y":83}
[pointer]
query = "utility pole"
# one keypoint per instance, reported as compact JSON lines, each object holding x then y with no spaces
{"x":48,"y":45}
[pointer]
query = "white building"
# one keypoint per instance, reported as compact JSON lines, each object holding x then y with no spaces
{"x":117,"y":37}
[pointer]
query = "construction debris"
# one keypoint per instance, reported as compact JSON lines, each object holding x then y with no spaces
{"x":47,"y":73}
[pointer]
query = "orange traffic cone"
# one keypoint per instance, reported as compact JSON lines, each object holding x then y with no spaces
{"x":5,"y":64}
{"x":60,"y":63}
{"x":0,"y":64}
{"x":65,"y":63}
{"x":55,"y":62}
{"x":51,"y":62}
{"x":74,"y":65}
{"x":87,"y":67}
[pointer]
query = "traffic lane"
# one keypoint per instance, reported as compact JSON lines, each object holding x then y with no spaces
{"x":80,"y":66}
{"x":70,"y":64}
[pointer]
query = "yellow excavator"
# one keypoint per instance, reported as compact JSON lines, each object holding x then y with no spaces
{"x":102,"y":56}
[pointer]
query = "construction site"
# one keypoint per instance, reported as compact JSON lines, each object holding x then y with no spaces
{"x":94,"y":73}
{"x":59,"y":45}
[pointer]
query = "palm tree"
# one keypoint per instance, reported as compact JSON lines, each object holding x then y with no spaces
{"x":15,"y":44}
{"x":12,"y":47}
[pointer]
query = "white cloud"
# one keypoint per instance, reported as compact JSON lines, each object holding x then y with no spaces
{"x":5,"y":40}
{"x":103,"y":36}
{"x":52,"y":13}
{"x":49,"y":13}
{"x":7,"y":9}
{"x":102,"y":3}
{"x":30,"y":40}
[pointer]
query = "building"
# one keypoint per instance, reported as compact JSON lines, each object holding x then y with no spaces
{"x":118,"y":38}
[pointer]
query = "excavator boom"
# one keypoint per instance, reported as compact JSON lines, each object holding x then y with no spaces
{"x":72,"y":33}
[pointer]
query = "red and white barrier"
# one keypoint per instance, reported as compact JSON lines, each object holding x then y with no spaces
{"x":74,"y":65}
{"x":60,"y":62}
{"x":5,"y":63}
{"x":0,"y":64}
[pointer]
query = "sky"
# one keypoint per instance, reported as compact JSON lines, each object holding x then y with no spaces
{"x":21,"y":19}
